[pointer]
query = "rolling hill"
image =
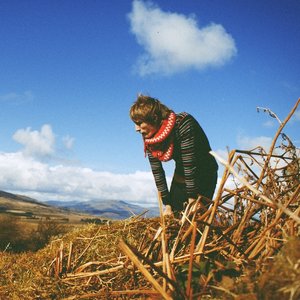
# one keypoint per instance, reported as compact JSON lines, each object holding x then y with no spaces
{"x":111,"y":209}
{"x":26,"y":207}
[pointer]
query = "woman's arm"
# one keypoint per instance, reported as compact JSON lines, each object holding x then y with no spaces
{"x":160,"y":178}
{"x":187,"y":141}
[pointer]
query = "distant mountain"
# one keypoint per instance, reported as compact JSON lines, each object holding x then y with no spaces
{"x":18,"y":197}
{"x":29,"y":208}
{"x":112,"y":209}
{"x":74,"y":210}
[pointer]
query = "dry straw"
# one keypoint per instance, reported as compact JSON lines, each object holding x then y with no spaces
{"x":215,"y":252}
{"x":254,"y":212}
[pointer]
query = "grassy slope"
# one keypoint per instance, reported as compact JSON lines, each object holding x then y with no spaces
{"x":32,"y":275}
{"x":28,"y":209}
{"x":27,"y":276}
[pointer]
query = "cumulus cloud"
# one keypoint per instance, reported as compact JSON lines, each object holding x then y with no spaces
{"x":174,"y":42}
{"x":23,"y":174}
{"x":248,"y":143}
{"x":36,"y":143}
{"x":68,"y":141}
{"x":26,"y":172}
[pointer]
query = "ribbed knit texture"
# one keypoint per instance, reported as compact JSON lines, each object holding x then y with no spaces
{"x":191,"y":155}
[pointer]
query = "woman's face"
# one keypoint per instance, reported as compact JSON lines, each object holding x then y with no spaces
{"x":146,"y":129}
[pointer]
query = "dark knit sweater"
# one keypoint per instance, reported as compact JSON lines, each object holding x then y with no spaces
{"x":191,"y":155}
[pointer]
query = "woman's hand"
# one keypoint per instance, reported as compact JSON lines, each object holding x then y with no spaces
{"x":168,"y":211}
{"x":192,"y":205}
{"x":191,"y":200}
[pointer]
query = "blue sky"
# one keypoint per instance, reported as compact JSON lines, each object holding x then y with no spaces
{"x":70,"y":70}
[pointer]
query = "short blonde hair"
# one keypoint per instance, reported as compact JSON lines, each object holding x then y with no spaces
{"x":149,"y":110}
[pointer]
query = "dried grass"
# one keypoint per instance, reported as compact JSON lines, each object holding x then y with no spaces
{"x":245,"y":245}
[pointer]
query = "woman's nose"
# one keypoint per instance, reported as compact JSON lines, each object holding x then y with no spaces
{"x":137,"y":127}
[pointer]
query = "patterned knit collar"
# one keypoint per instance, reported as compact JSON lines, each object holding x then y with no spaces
{"x":161,"y":145}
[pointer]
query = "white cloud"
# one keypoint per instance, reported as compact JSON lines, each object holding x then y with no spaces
{"x":249,"y":143}
{"x":27,"y":172}
{"x":223,"y":153}
{"x":174,"y":42}
{"x":270,"y":124}
{"x":68,"y":141}
{"x":36,"y":143}
{"x":17,"y":98}
{"x":23,"y":174}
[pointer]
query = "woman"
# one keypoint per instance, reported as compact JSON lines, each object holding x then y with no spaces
{"x":175,"y":136}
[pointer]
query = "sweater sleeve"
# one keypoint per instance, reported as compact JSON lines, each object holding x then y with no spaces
{"x":160,"y":178}
{"x":188,"y":155}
